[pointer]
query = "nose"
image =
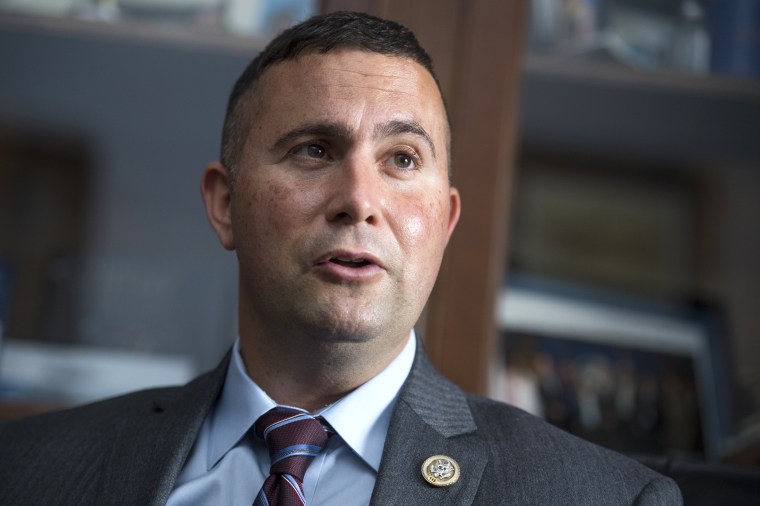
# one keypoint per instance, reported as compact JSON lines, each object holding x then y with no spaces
{"x":356,"y":193}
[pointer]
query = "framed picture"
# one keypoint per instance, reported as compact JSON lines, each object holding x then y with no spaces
{"x":634,"y":376}
{"x":616,"y":223}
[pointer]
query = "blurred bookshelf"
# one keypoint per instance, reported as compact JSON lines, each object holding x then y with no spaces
{"x":193,"y":36}
{"x":638,"y":173}
{"x":232,"y":25}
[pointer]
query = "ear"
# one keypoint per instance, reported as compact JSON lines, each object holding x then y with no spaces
{"x":455,"y":207}
{"x":216,"y":193}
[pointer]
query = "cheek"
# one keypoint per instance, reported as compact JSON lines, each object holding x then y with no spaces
{"x":272,"y":205}
{"x":423,"y":225}
{"x":414,"y":227}
{"x":271,"y":209}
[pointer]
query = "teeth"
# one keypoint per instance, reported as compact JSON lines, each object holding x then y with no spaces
{"x":350,"y":262}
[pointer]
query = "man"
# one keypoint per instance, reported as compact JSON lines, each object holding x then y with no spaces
{"x":333,"y":190}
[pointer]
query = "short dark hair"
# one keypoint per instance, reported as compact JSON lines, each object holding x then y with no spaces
{"x":320,"y":34}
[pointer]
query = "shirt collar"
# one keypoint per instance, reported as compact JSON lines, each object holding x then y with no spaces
{"x":241,"y":403}
{"x":361,"y":418}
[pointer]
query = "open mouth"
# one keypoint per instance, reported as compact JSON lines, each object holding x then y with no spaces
{"x":354,"y":263}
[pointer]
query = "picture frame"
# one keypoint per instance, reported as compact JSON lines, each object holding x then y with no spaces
{"x":637,"y":376}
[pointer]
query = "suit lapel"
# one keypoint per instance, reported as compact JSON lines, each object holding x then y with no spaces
{"x":431,"y":417}
{"x":152,"y":444}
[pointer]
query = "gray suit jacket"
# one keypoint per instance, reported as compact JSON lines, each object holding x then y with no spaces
{"x":130,"y":450}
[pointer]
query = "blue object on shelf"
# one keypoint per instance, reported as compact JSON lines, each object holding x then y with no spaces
{"x":734,"y":27}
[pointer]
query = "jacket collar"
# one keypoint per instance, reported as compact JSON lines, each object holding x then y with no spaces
{"x":432,"y":417}
{"x":142,"y":467}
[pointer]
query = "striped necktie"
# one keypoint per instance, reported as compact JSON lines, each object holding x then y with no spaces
{"x":293,"y":438}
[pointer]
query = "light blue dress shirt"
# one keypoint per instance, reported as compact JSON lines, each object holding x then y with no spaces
{"x":227,"y":465}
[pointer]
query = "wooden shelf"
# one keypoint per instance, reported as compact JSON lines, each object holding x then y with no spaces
{"x":191,"y":36}
{"x":653,"y":80}
{"x":578,"y":106}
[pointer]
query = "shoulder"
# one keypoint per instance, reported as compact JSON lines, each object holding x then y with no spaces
{"x":559,"y":464}
{"x":528,"y":461}
{"x":73,"y":455}
{"x":89,"y":419}
{"x":110,"y":407}
{"x":76,"y":427}
{"x":56,"y":457}
{"x":530,"y":437}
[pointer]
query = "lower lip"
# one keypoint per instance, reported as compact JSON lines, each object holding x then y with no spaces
{"x":343,"y":273}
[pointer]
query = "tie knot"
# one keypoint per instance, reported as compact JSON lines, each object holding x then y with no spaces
{"x":293,"y":438}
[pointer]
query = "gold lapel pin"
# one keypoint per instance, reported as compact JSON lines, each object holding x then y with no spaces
{"x":440,"y":471}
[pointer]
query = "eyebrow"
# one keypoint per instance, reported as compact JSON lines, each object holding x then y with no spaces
{"x":342,"y":131}
{"x":399,"y":127}
{"x":334,"y":130}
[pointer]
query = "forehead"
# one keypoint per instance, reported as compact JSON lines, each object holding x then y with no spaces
{"x":354,"y":87}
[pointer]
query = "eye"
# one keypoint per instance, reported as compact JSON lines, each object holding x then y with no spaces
{"x":310,"y":150}
{"x":315,"y":151}
{"x":404,"y":161}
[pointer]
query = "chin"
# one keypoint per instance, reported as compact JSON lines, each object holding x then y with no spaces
{"x":338,"y":320}
{"x":342,"y":334}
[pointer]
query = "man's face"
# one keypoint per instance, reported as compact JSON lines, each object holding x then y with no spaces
{"x":342,"y":208}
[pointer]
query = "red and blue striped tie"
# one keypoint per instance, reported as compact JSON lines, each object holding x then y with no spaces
{"x":293,"y":438}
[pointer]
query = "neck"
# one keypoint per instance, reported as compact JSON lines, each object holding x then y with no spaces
{"x":309,"y":373}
